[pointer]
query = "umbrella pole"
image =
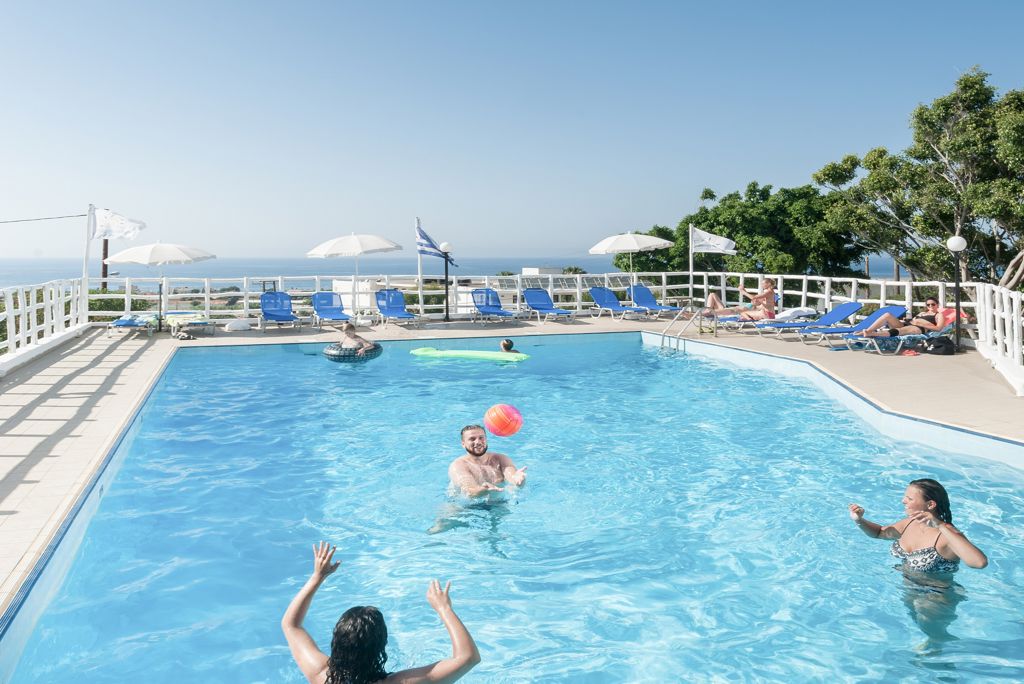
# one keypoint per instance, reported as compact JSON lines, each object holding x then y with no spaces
{"x":160,"y":305}
{"x":355,"y":304}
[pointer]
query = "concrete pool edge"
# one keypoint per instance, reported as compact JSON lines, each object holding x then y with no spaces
{"x":72,"y":526}
{"x":894,"y":424}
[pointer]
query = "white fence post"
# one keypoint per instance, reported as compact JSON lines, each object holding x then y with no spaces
{"x":9,"y":318}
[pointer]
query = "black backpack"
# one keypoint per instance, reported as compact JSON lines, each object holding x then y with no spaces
{"x":939,"y":345}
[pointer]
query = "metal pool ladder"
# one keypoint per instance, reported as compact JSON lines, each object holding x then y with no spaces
{"x":686,"y":324}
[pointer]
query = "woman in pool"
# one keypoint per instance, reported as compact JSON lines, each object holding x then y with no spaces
{"x":925,"y":540}
{"x":360,"y":637}
{"x":761,"y":306}
{"x":350,"y":340}
{"x":932,"y":320}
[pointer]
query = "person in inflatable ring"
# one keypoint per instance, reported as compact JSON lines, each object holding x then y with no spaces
{"x":350,"y":340}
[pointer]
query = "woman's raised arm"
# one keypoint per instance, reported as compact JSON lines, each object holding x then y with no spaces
{"x":465,"y":655}
{"x":310,"y":659}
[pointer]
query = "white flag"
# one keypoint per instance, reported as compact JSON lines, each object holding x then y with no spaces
{"x":701,"y":241}
{"x":106,"y":225}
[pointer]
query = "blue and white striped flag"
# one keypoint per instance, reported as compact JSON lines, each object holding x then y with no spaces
{"x":426,"y":245}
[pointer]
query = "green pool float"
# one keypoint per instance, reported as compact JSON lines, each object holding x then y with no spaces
{"x":480,"y":355}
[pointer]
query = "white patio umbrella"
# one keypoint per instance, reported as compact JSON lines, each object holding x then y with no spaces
{"x":160,"y":254}
{"x":628,"y":243}
{"x":354,"y":245}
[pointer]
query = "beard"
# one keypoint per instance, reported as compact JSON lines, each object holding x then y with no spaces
{"x":477,"y":450}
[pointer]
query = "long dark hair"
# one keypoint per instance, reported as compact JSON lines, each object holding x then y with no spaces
{"x":357,"y":647}
{"x":933,"y":491}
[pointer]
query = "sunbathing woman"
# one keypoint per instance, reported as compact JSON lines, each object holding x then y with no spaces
{"x":762,"y":304}
{"x":360,"y":637}
{"x":916,"y":541}
{"x":931,"y":321}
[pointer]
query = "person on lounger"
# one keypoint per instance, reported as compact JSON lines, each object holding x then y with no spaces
{"x":930,"y":321}
{"x":479,"y":471}
{"x":360,"y":637}
{"x":506,"y":346}
{"x":761,"y":306}
{"x":350,"y":340}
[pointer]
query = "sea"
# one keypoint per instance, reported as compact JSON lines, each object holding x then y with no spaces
{"x":19,"y":272}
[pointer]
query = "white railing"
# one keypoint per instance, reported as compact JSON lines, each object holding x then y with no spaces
{"x":1001,"y":331}
{"x":35,"y":317}
{"x":34,"y":314}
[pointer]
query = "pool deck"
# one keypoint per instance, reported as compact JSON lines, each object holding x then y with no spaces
{"x":62,"y":414}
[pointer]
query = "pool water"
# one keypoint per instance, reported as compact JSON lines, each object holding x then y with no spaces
{"x":684,"y":520}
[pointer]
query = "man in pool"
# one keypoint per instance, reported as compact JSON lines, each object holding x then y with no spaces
{"x":478,"y":470}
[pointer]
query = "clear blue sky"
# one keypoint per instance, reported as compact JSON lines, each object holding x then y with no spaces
{"x":263,"y":128}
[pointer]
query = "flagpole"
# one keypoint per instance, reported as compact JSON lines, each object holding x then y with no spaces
{"x":689,"y":242}
{"x":419,"y":265}
{"x":83,"y":300}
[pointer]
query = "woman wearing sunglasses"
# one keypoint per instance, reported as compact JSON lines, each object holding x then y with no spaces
{"x":931,"y":320}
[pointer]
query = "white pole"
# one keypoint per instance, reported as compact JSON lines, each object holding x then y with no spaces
{"x":355,"y":304}
{"x":419,"y":266}
{"x":689,"y":243}
{"x":83,"y":301}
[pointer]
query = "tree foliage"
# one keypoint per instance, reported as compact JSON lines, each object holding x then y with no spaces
{"x":782,"y":232}
{"x":962,"y":175}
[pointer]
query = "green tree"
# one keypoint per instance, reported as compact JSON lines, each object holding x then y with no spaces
{"x":962,"y":175}
{"x":782,"y":232}
{"x":573,"y":270}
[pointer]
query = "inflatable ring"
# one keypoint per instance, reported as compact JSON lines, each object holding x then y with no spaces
{"x":335,"y":352}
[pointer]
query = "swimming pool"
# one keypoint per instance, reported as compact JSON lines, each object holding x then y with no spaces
{"x":684,"y":519}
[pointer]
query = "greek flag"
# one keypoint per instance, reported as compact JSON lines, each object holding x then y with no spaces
{"x":426,"y":245}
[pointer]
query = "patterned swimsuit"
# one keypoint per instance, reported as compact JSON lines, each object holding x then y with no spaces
{"x":924,"y":560}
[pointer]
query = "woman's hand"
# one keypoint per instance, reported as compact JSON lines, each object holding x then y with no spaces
{"x":323,"y":553}
{"x":437,"y":597}
{"x":856,"y":513}
{"x":926,"y":517}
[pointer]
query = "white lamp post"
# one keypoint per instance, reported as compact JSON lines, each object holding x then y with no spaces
{"x":956,"y":245}
{"x":446,"y":249}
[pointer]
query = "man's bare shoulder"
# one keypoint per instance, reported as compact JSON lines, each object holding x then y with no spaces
{"x":500,"y":459}
{"x":461,"y":464}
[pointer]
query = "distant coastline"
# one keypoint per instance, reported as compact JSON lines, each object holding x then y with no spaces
{"x":15,"y":272}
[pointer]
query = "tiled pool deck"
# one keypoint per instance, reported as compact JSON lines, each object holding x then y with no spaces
{"x":61,"y":415}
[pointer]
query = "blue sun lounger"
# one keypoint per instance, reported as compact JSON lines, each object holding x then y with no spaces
{"x":327,"y":308}
{"x":136,"y":322}
{"x":539,"y":301}
{"x":276,"y":307}
{"x":391,"y":305}
{"x":814,"y":335}
{"x":644,"y":298}
{"x":606,"y":300}
{"x":833,"y":317}
{"x":488,"y":305}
